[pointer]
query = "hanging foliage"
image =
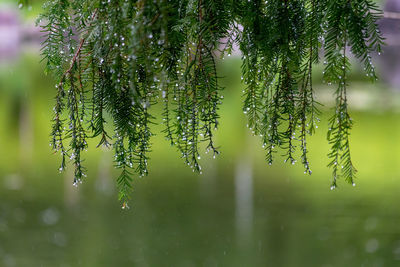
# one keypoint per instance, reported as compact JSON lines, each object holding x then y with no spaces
{"x":121,"y":57}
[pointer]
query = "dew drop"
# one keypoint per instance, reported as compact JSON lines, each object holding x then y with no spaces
{"x":125,"y":206}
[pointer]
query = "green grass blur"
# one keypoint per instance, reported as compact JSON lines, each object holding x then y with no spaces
{"x":178,"y":218}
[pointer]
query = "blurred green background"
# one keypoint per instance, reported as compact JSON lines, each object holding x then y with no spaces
{"x":240,"y":212}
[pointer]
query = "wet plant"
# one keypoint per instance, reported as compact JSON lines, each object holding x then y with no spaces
{"x":115,"y":59}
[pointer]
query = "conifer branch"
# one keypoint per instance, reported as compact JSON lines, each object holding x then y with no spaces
{"x":116,"y":57}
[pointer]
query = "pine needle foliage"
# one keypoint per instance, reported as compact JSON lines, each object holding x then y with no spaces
{"x":116,"y":59}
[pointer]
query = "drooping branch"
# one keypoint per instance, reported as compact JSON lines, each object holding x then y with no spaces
{"x":131,"y":52}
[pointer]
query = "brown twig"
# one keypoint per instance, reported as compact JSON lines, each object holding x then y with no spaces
{"x":76,"y":54}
